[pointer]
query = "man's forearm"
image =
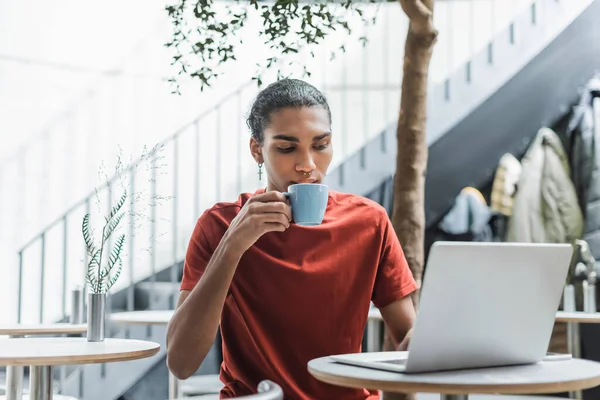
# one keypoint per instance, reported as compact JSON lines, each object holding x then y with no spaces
{"x":193,"y":327}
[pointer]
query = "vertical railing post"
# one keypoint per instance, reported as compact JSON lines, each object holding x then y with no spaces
{"x":197,"y":170}
{"x":238,"y":147}
{"x":64,"y":269}
{"x":86,"y":257}
{"x":386,"y":82}
{"x":42,"y":276}
{"x":344,"y":106}
{"x":130,"y":289}
{"x":153,"y":223}
{"x":218,"y":155}
{"x":174,"y":225}
{"x":344,"y":116}
{"x":20,"y":289}
{"x":365,"y":101}
{"x":109,"y":243}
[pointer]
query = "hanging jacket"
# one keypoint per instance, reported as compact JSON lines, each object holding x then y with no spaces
{"x":545,"y":208}
{"x":467,"y":221}
{"x":583,"y":136}
{"x":505,"y":183}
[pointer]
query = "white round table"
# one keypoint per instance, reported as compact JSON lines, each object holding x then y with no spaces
{"x":573,"y":319}
{"x":578,"y":317}
{"x":41,"y":354}
{"x":145,"y":317}
{"x":17,"y":330}
{"x":540,"y":378}
{"x":14,"y":374}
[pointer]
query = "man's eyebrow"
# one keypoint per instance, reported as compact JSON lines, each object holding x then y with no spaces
{"x":322,"y":136}
{"x":288,"y":138}
{"x":296,"y":140}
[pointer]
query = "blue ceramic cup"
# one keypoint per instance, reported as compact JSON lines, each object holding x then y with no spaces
{"x":309,"y":202}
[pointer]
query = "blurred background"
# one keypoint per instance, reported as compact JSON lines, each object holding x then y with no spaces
{"x":87,"y":110}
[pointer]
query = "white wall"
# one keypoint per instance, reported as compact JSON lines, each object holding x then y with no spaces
{"x":135,"y":108}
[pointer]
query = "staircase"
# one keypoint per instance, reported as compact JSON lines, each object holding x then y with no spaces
{"x":467,"y":107}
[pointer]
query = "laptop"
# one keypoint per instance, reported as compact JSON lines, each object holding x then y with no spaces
{"x":482,"y":305}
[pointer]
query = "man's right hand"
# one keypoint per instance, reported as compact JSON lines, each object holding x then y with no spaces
{"x":262,"y":213}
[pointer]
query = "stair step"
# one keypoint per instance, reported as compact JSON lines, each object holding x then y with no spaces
{"x":155,"y":295}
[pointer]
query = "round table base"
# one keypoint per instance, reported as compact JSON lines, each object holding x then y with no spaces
{"x":454,"y":397}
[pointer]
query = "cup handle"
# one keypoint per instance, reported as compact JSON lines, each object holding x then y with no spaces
{"x":286,"y":194}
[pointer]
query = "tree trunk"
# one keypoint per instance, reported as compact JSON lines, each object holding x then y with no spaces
{"x":408,"y":216}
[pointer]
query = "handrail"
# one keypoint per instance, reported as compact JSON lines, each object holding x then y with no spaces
{"x":136,"y":163}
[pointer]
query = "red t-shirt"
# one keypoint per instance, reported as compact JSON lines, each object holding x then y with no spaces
{"x":301,"y":294}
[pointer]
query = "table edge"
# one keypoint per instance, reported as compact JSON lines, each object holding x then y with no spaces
{"x":85,"y":359}
{"x":408,"y":387}
{"x":581,"y":319}
{"x":76,"y":329}
{"x":116,"y":318}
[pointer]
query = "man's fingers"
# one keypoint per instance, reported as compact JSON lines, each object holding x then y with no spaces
{"x":272,"y":195}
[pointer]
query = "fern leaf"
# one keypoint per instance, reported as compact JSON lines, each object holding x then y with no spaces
{"x":87,"y":235}
{"x":90,"y":276}
{"x":112,"y":225}
{"x":117,"y":207}
{"x":113,"y":278}
{"x":115,"y":254}
{"x":94,"y":262}
{"x":92,"y":282}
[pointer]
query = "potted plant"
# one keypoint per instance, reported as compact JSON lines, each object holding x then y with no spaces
{"x":104,"y":267}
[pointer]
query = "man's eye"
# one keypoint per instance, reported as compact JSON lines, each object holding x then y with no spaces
{"x":285,"y":149}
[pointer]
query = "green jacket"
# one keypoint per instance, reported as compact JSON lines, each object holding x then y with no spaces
{"x":546,"y":208}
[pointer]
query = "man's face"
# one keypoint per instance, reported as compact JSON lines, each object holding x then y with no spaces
{"x":296,"y":148}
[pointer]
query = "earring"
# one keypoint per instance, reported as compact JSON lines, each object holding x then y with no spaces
{"x":260,"y":171}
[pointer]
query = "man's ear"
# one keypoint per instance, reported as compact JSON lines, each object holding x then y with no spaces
{"x":256,"y":150}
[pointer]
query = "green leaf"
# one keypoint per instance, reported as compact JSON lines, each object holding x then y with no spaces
{"x":117,"y":207}
{"x":87,"y":235}
{"x":92,"y":269}
{"x":115,"y":275}
{"x":112,"y":225}
{"x":115,"y":254}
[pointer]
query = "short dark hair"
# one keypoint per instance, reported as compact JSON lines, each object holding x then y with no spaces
{"x":284,"y":93}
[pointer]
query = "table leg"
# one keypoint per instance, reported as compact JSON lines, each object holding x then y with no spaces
{"x":14,"y":383}
{"x":173,"y":386}
{"x":14,"y":379}
{"x":373,"y":335}
{"x":574,"y":347}
{"x":40,"y":383}
{"x":454,"y":397}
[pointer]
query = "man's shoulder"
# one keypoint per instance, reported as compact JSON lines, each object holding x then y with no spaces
{"x":349,"y":202}
{"x":219,"y":216}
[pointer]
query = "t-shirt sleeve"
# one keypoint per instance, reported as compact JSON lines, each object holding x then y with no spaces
{"x":198,"y":253}
{"x":394,"y":280}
